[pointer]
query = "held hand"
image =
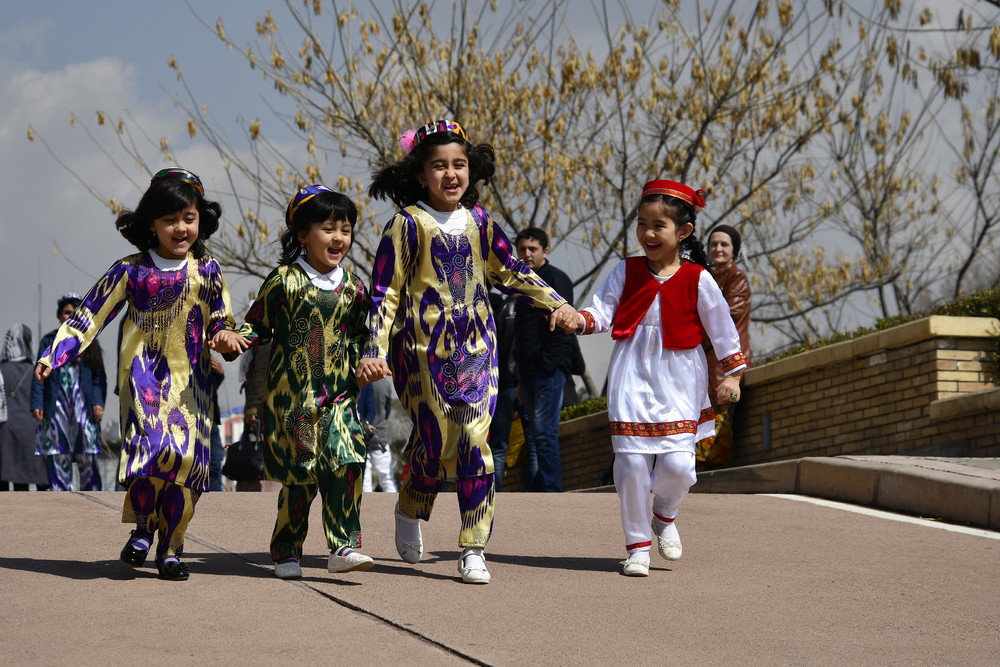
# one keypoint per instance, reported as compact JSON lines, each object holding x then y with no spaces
{"x":37,"y":414}
{"x":371,"y":369}
{"x":227,"y":341}
{"x":729,"y":391}
{"x":565,"y":316}
{"x":217,"y":366}
{"x":98,"y":412}
{"x":251,"y":418}
{"x":41,"y":372}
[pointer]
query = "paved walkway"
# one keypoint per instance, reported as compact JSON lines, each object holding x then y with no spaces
{"x":764,"y":580}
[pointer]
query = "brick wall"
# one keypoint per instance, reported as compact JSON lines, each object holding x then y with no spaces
{"x":878,"y":394}
{"x":585,"y":454}
{"x":923,"y":388}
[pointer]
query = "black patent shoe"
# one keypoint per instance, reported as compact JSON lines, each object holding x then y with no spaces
{"x":172,"y":570}
{"x":131,"y":555}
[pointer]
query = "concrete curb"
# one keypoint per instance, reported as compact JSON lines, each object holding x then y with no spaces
{"x":955,"y":497}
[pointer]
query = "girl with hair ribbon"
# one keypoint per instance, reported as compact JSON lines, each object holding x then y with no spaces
{"x":432,"y":326}
{"x":659,"y":307}
{"x":178,"y":307}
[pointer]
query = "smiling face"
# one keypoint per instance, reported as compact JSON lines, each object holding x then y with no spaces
{"x":720,"y":249}
{"x":660,"y":237}
{"x":176,"y":232}
{"x":445,"y":174}
{"x":326,"y":243}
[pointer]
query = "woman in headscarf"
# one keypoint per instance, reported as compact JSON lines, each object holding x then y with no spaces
{"x":724,"y":244}
{"x":18,"y":464}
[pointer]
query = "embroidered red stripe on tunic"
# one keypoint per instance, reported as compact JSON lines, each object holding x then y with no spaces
{"x":653,"y":430}
{"x":733,"y":361}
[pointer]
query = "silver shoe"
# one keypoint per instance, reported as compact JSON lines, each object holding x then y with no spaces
{"x":288,"y":570}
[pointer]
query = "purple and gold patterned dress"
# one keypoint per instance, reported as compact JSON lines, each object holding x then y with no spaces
{"x":432,"y":322}
{"x":164,"y":376}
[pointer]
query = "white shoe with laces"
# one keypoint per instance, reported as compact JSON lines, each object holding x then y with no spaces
{"x":472,"y":566}
{"x":347,"y":559}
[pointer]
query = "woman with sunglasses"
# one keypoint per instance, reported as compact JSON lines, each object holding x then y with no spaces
{"x":178,"y":306}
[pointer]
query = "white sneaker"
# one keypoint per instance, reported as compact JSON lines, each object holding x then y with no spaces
{"x":634,"y":566}
{"x":472,"y":566}
{"x":668,"y":540}
{"x":349,"y":561}
{"x":288,"y":569}
{"x":408,"y":551}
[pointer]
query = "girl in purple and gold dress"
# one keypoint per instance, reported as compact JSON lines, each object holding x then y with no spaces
{"x":432,"y":325}
{"x":177,"y":300}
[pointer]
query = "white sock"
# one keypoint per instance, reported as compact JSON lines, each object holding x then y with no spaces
{"x":667,"y":531}
{"x":473,"y":557}
{"x":410,"y":532}
{"x":639,"y":557}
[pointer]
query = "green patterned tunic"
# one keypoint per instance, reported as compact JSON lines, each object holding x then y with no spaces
{"x":311,"y":422}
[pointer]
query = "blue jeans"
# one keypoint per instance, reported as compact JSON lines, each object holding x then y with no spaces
{"x":542,"y":394}
{"x":215,"y":455}
{"x":503,"y":415}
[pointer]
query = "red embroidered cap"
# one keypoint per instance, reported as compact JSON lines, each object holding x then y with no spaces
{"x":673,"y":189}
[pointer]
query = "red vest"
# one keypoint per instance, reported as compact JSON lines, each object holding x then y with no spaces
{"x":682,"y":329}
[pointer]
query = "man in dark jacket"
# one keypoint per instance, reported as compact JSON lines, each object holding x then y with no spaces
{"x":544,"y":361}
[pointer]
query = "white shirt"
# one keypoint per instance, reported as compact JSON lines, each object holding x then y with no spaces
{"x":327,"y":281}
{"x":449,"y":222}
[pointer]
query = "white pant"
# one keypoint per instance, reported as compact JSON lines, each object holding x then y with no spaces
{"x":667,"y":476}
{"x":379,"y":463}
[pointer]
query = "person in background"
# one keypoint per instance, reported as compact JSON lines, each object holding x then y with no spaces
{"x":504,"y":310}
{"x":376,"y":404}
{"x":544,"y":360}
{"x":69,"y":406}
{"x":18,"y":464}
{"x":216,"y":451}
{"x":724,"y":244}
{"x":253,"y":383}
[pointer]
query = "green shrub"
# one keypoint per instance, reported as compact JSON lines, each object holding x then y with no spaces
{"x":984,"y":303}
{"x":599,"y":404}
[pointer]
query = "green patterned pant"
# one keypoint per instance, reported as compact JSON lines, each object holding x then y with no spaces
{"x":340,"y":490}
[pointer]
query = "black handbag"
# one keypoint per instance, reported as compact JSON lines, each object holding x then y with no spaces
{"x":245,"y":458}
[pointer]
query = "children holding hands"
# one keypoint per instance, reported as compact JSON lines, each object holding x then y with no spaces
{"x":658,"y":308}
{"x":432,"y":328}
{"x":178,"y":306}
{"x":313,"y":313}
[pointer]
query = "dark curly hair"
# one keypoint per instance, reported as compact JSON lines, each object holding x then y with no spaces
{"x":163,"y":198}
{"x":398,"y":182}
{"x":324,"y":206}
{"x":681,"y":212}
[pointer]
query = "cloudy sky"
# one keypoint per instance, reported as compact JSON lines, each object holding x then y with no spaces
{"x":64,"y":58}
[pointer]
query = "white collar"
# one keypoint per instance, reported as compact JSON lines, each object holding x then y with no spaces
{"x":449,"y":222}
{"x":326,"y":281}
{"x":164,"y":264}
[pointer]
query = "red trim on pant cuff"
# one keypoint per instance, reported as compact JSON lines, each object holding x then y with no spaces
{"x":663,"y":518}
{"x":638,"y":545}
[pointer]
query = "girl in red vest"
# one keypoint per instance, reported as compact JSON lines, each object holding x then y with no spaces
{"x":658,"y":307}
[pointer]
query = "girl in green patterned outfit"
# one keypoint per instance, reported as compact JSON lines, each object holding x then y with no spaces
{"x":313,"y":313}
